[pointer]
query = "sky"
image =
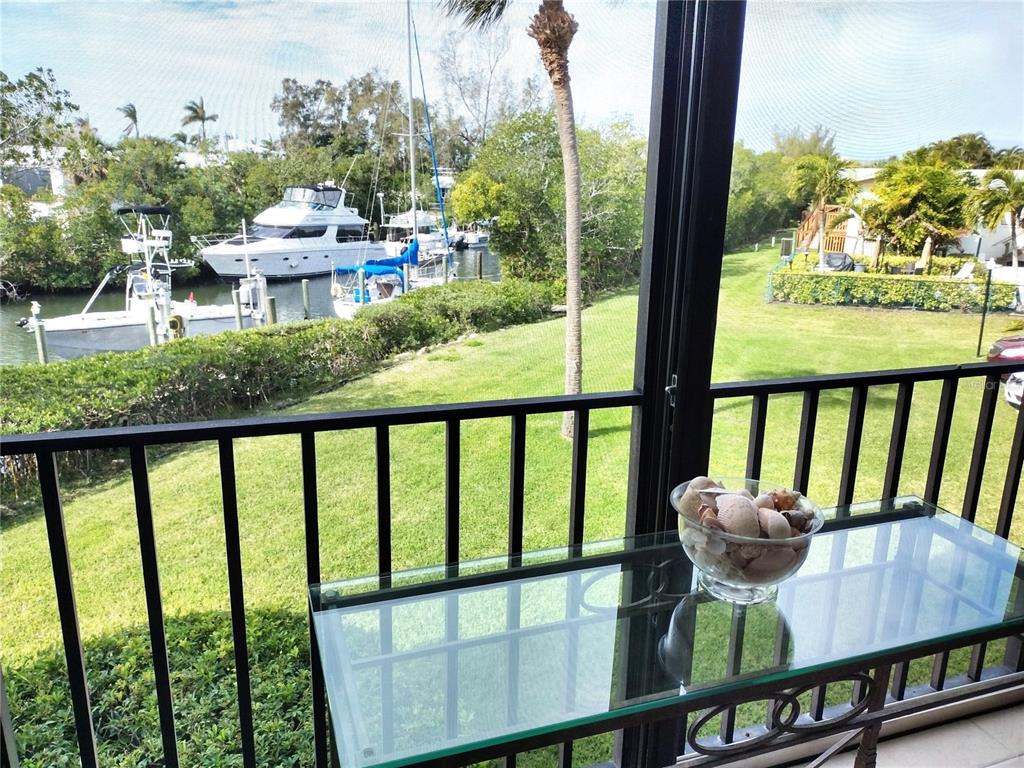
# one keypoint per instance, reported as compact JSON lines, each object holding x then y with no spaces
{"x":884,"y":76}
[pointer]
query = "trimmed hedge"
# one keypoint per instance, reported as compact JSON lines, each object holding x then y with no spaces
{"x":941,"y":294}
{"x":940,"y":266}
{"x":222,"y":375}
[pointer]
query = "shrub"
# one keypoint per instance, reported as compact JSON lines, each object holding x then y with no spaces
{"x":201,"y":661}
{"x":221,"y":375}
{"x":939,"y":266}
{"x":874,"y":290}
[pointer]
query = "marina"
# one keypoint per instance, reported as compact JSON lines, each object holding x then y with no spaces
{"x":18,"y":347}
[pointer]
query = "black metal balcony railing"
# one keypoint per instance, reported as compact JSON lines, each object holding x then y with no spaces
{"x":46,"y":446}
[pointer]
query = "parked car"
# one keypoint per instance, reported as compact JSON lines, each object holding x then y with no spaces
{"x":1015,"y":389}
{"x":1006,"y":349}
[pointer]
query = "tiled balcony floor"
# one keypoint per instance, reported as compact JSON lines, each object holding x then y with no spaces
{"x":991,"y":740}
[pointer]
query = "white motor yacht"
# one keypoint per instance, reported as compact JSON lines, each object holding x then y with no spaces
{"x":149,"y":316}
{"x":306,"y":233}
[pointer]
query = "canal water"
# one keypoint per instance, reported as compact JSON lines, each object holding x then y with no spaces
{"x":17,"y":346}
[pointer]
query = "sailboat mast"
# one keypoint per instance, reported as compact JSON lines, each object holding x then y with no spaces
{"x":412,"y":132}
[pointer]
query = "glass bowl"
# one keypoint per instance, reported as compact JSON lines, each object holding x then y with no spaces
{"x":743,"y":569}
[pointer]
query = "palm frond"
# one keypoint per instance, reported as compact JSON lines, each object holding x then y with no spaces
{"x":477,"y":14}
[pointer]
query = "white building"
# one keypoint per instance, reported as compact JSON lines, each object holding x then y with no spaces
{"x":988,"y":244}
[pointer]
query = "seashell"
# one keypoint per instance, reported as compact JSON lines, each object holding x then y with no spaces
{"x":745,"y":493}
{"x":691,"y":537}
{"x":765,"y":501}
{"x":785,"y":499}
{"x":713,"y":524}
{"x":738,"y":515}
{"x":772,"y":563}
{"x":751,"y":551}
{"x":794,"y":532}
{"x":690,"y":502}
{"x":715,"y":545}
{"x":774,"y":524}
{"x":738,"y":560}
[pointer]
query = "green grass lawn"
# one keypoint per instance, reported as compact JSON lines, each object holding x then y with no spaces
{"x":754,"y":340}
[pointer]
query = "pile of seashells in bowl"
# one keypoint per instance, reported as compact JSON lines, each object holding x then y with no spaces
{"x":745,"y":536}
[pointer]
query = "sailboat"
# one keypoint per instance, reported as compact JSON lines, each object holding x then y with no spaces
{"x":410,"y":234}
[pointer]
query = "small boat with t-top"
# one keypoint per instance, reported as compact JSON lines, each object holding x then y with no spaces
{"x":150,"y":315}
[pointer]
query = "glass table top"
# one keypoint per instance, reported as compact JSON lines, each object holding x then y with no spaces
{"x":432,"y":666}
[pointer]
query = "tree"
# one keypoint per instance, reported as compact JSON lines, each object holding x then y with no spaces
{"x":195,"y":112}
{"x":1011,"y":158}
{"x":516,"y":181}
{"x":554,"y":28}
{"x":131,"y":114}
{"x":309,"y":115}
{"x":967,"y":150}
{"x":794,"y":144}
{"x":915,"y":199}
{"x":86,"y":158}
{"x":823,"y":179}
{"x":34,"y":115}
{"x":1001,"y":195}
{"x":474,"y":83}
{"x":760,"y":200}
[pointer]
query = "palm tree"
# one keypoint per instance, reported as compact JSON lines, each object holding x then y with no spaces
{"x":824,"y":178}
{"x":131,"y":114}
{"x":1011,"y":158}
{"x":1002,"y":193}
{"x":553,"y":28}
{"x":181,"y":137}
{"x":195,"y":112}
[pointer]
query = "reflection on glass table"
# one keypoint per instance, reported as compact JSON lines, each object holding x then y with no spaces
{"x":434,"y":666}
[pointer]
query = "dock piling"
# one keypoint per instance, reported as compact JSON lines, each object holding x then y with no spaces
{"x":41,"y":349}
{"x":305,"y":299}
{"x":236,"y":299}
{"x":271,"y":310}
{"x":151,"y":324}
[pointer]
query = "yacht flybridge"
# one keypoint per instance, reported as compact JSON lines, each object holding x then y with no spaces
{"x":308,"y":233}
{"x":149,"y":316}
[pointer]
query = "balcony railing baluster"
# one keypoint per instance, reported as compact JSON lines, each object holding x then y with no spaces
{"x":940,"y":441}
{"x":755,"y":441}
{"x":311,"y":522}
{"x":516,"y":489}
{"x":383,"y":455}
{"x":898,"y":439}
{"x":452,"y":461}
{"x":8,"y":746}
{"x":1011,"y":485}
{"x":733,"y":665}
{"x":66,"y":608}
{"x":154,"y":604}
{"x":805,"y":447}
{"x":578,"y":482}
{"x":851,"y":455}
{"x":236,"y":596}
{"x":989,"y":399}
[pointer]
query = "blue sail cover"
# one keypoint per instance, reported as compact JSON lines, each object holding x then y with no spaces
{"x":370,"y":268}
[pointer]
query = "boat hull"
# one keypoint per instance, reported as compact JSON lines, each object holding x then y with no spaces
{"x":229,"y":261}
{"x":77,"y":336}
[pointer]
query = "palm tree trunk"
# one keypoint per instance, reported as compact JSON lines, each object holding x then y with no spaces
{"x":553,"y":28}
{"x":573,"y":288}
